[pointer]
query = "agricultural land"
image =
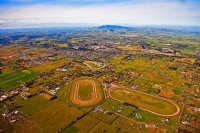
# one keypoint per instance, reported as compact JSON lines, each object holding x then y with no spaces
{"x":100,"y":80}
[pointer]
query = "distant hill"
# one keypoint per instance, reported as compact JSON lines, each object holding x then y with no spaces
{"x":113,"y":27}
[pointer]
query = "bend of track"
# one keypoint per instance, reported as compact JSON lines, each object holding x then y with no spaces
{"x":174,"y":114}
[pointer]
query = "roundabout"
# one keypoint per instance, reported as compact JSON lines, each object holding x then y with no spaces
{"x":85,"y":92}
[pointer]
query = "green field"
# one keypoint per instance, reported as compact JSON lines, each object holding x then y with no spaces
{"x":86,"y":123}
{"x":8,"y":48}
{"x":34,"y":104}
{"x":43,"y":116}
{"x":85,"y":91}
{"x":92,"y":64}
{"x":11,"y":80}
{"x":113,"y":106}
{"x":49,"y":66}
{"x":55,"y":117}
{"x":70,"y":129}
{"x":103,"y":127}
{"x":147,"y":102}
{"x":134,"y":64}
{"x":62,"y":45}
{"x":103,"y":117}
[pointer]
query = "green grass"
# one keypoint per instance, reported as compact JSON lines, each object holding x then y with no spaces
{"x":41,"y":41}
{"x":34,"y":104}
{"x":92,"y":64}
{"x":62,"y":45}
{"x":6,"y":77}
{"x":63,"y":93}
{"x":44,"y":116}
{"x":113,"y":106}
{"x":71,"y":129}
{"x":49,"y":66}
{"x":135,"y":64}
{"x":86,"y":123}
{"x":103,"y":117}
{"x":55,"y":117}
{"x":189,"y":50}
{"x":177,"y":91}
{"x":124,"y":125}
{"x":146,"y":116}
{"x":151,"y":103}
{"x":150,"y":90}
{"x":103,"y":126}
{"x":85,"y":91}
{"x":9,"y":70}
{"x":8,"y":81}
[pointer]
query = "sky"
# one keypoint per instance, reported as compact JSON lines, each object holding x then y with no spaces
{"x":28,"y":13}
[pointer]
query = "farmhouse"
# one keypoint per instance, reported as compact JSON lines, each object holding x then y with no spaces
{"x":61,"y":69}
{"x":185,"y":123}
{"x":168,"y":44}
{"x":99,"y":109}
{"x":13,"y":116}
{"x":47,"y":95}
{"x":26,"y":95}
{"x":138,"y":115}
{"x":9,"y":94}
{"x":167,"y":50}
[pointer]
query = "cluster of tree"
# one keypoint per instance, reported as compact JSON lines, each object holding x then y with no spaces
{"x":128,"y":104}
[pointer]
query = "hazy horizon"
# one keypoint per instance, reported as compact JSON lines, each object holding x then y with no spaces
{"x":58,"y":13}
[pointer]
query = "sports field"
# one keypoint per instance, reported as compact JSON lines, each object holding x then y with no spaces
{"x":86,"y":92}
{"x":8,"y":81}
{"x":49,"y":66}
{"x":93,"y":65}
{"x":153,"y":104}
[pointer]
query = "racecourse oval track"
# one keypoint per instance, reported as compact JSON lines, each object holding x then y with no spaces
{"x":96,"y":94}
{"x":146,"y":108}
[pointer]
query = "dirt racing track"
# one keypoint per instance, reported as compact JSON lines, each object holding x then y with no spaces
{"x":85,"y":102}
{"x":96,"y":95}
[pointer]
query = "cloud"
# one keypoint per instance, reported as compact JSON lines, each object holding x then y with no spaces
{"x":171,"y":13}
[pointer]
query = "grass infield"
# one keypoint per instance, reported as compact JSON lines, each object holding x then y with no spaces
{"x":144,"y":101}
